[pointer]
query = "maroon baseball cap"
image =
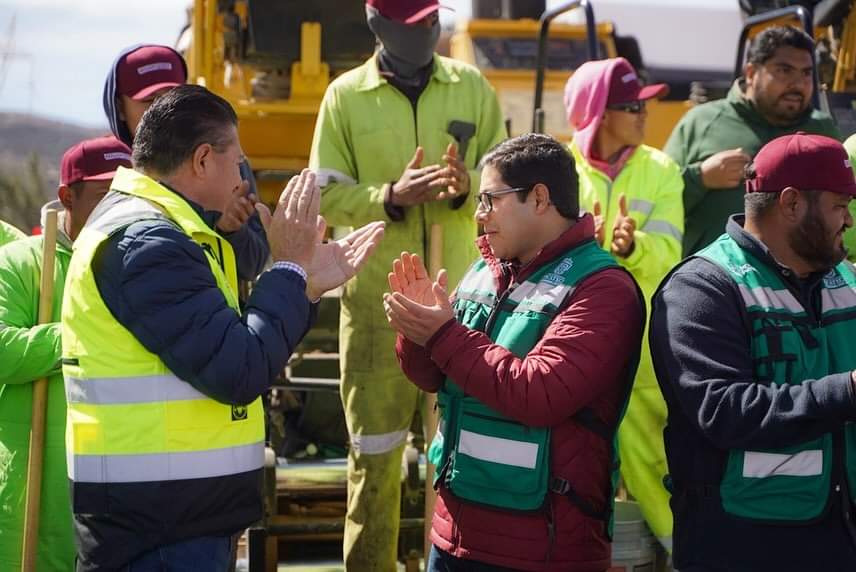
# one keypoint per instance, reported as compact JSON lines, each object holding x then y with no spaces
{"x":405,"y":11}
{"x":625,"y":87}
{"x":94,"y":160}
{"x":805,"y":162}
{"x":148,"y":69}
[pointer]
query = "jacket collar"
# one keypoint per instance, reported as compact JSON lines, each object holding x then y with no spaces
{"x":372,"y":79}
{"x":503,"y":270}
{"x":759,"y":250}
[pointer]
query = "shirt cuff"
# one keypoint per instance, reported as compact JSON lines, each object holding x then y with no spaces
{"x":395,"y":213}
{"x":287,"y":265}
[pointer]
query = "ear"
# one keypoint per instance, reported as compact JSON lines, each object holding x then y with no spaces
{"x":201,"y":159}
{"x":65,"y":196}
{"x":749,"y":71}
{"x":542,"y":198}
{"x":791,"y":204}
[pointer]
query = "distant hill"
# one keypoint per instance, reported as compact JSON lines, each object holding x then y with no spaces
{"x":22,"y":135}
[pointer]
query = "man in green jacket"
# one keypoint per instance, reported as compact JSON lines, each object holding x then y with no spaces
{"x":395,"y":139}
{"x":8,"y":233}
{"x":714,"y":141}
{"x":30,"y":351}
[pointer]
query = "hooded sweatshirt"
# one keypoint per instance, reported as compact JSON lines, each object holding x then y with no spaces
{"x":586,"y":94}
{"x":717,"y":126}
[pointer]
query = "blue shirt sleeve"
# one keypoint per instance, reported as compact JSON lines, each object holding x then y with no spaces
{"x":157,"y":283}
{"x":700,"y":348}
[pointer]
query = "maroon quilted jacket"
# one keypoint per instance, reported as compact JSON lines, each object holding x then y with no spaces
{"x":581,"y":361}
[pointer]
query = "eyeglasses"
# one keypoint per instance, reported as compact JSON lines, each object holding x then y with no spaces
{"x":486,"y":197}
{"x":632,"y":107}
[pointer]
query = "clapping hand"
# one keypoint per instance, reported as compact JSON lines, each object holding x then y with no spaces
{"x":417,"y":306}
{"x":623,"y":230}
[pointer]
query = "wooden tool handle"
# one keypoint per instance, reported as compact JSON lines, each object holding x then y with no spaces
{"x":40,"y":400}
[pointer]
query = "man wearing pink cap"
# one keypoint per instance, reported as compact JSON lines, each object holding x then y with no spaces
{"x":29,"y":352}
{"x":140,"y":74}
{"x":397,"y":138}
{"x":752,"y":342}
{"x":635,"y":194}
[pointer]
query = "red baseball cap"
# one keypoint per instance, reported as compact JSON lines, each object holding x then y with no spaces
{"x":625,"y":87}
{"x":94,"y":160}
{"x":805,"y":162}
{"x":148,"y":69}
{"x":405,"y":11}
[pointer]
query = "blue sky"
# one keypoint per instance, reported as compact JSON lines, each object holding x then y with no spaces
{"x":66,"y":47}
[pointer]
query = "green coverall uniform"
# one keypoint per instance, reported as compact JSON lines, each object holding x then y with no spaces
{"x":29,"y":352}
{"x":652,"y":185}
{"x":366,"y":134}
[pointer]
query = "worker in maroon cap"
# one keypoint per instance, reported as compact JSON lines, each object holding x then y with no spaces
{"x":31,"y":351}
{"x":400,"y":138}
{"x":752,"y":342}
{"x":139,"y":75}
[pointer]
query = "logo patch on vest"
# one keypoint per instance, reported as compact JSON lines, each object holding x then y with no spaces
{"x":833,"y":280}
{"x":239,"y":412}
{"x":741,"y":270}
{"x":556,"y":277}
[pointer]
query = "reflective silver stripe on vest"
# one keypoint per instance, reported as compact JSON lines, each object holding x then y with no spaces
{"x":325,"y":177}
{"x":377,"y":444}
{"x":154,"y":467}
{"x":498,"y":450}
{"x":838,"y":298}
{"x":479,"y":288}
{"x":663,"y":227}
{"x":759,"y":465}
{"x":139,"y":389}
{"x":535,"y":296}
{"x":641,"y":205}
{"x":770,"y":299}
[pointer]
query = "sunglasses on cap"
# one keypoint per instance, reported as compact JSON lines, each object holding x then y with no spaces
{"x":631,"y":107}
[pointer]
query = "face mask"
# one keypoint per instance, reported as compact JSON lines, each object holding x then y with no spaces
{"x":409,"y":48}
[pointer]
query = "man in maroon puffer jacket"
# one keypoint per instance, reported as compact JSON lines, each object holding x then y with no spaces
{"x":532,"y":361}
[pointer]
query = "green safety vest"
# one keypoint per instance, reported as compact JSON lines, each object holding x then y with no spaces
{"x":482,"y":455}
{"x":789,"y":346}
{"x":130,"y":419}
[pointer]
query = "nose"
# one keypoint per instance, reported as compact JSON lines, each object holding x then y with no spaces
{"x":481,"y":214}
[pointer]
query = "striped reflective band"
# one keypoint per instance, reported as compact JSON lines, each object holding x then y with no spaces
{"x":165,"y":466}
{"x":498,"y":450}
{"x":663,"y":227}
{"x":139,"y":389}
{"x":803,"y":464}
{"x":838,"y":298}
{"x":478,"y":287}
{"x":770,"y":299}
{"x":535,"y":296}
{"x":641,"y":205}
{"x":377,"y":444}
{"x":325,"y":177}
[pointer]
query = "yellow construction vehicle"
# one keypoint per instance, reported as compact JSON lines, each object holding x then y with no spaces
{"x":529,"y":59}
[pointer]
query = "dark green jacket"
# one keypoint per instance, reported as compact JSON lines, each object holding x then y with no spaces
{"x":717,"y":126}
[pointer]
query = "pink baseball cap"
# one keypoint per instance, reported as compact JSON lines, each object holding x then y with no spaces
{"x":405,"y":11}
{"x":149,"y":69}
{"x":94,"y":160}
{"x":625,"y":87}
{"x":805,"y":162}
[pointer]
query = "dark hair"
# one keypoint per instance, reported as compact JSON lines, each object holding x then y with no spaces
{"x":177,"y":123}
{"x":526,"y":160}
{"x":765,"y":44}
